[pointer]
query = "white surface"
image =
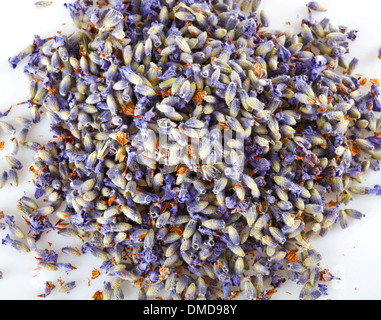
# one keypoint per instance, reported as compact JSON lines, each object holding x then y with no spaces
{"x":354,"y":254}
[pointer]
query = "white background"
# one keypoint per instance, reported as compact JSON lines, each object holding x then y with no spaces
{"x":353,"y":254}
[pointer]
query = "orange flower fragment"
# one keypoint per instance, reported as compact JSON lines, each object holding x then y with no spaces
{"x":363,"y":81}
{"x":325,"y":275}
{"x":182,"y":169}
{"x":111,"y":200}
{"x":121,"y":157}
{"x":122,"y":137}
{"x":98,"y":295}
{"x":139,"y":282}
{"x":270,"y":293}
{"x":292,"y":257}
{"x":258,"y":70}
{"x":352,"y":148}
{"x":178,"y":230}
{"x":129,"y":109}
{"x":95,"y":274}
{"x":199,"y":96}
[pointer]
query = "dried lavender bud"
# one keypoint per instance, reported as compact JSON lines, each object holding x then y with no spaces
{"x":43,"y":4}
{"x":316,"y":6}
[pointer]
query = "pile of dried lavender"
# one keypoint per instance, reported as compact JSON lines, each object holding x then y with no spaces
{"x":188,"y":222}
